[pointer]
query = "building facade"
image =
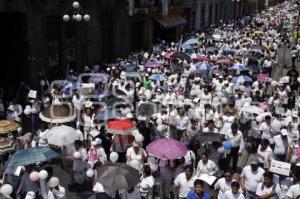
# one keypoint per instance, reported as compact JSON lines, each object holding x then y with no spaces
{"x":34,"y":37}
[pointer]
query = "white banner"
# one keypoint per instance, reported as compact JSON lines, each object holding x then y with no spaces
{"x":164,"y":7}
{"x":281,"y":168}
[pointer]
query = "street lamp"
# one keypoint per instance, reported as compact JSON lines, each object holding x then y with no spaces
{"x":77,"y":14}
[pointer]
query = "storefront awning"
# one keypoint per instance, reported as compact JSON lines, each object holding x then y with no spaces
{"x":168,"y":22}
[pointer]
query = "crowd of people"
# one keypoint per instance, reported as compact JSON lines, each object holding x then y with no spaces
{"x":210,"y":92}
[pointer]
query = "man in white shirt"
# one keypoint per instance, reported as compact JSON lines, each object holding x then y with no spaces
{"x":282,"y":145}
{"x":184,"y":183}
{"x":250,"y":177}
{"x":183,"y":122}
{"x":294,"y":191}
{"x":236,"y":138}
{"x":206,"y":166}
{"x":223,"y":185}
{"x":267,"y":189}
{"x":235,"y":192}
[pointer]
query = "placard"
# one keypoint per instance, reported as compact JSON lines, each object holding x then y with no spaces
{"x":207,"y":178}
{"x":32,"y":94}
{"x":281,"y":168}
{"x":262,"y":77}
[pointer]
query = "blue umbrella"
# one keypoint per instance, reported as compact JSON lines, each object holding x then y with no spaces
{"x":131,"y":67}
{"x":107,"y":114}
{"x":186,"y":46}
{"x":191,"y":42}
{"x":238,"y":67}
{"x":30,"y":156}
{"x":203,"y":66}
{"x":241,"y":79}
{"x":158,"y":77}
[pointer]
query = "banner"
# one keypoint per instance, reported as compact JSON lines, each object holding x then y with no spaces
{"x":164,"y":7}
{"x":281,"y":168}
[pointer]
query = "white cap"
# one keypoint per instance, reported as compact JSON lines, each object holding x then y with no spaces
{"x":11,"y":107}
{"x":53,"y":182}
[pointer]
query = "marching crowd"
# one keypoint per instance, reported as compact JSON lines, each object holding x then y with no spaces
{"x":211,"y":92}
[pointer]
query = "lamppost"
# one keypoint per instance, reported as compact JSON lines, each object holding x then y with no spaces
{"x":76,"y":15}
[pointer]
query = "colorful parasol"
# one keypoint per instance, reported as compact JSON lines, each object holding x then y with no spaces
{"x":167,"y":149}
{"x":58,"y":113}
{"x":6,"y":145}
{"x":7,"y":126}
{"x":120,"y":126}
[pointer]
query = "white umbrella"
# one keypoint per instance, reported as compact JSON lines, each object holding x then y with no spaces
{"x":253,"y":109}
{"x":61,"y":136}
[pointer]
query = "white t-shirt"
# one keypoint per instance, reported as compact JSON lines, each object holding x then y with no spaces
{"x":263,"y":190}
{"x":189,"y":157}
{"x":139,"y":157}
{"x":293,"y":191}
{"x":229,"y":195}
{"x":264,"y":156}
{"x":252,"y":178}
{"x":209,"y":168}
{"x":222,"y":185}
{"x":281,"y":145}
{"x":184,"y":186}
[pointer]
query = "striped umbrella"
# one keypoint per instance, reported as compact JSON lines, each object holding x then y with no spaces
{"x":6,"y":145}
{"x":7,"y":126}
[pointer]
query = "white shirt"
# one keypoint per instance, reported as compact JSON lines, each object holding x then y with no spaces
{"x":236,"y":140}
{"x":189,"y":157}
{"x":57,"y":194}
{"x":263,"y":190}
{"x":133,"y":156}
{"x":184,"y":186}
{"x":146,"y":184}
{"x":222,"y":185}
{"x":229,"y":195}
{"x":252,"y":178}
{"x":280,"y":145}
{"x":209,"y":168}
{"x":293,"y":191}
{"x":264,"y":156}
{"x":266,"y":131}
{"x":182,"y":122}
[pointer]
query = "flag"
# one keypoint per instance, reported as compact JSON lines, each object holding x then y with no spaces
{"x":180,"y":43}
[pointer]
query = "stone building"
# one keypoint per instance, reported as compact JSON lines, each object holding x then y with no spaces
{"x":34,"y":37}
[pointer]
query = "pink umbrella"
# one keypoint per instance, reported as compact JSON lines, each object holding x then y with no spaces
{"x":168,"y":54}
{"x":264,"y":106}
{"x":153,"y":64}
{"x":167,"y":149}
